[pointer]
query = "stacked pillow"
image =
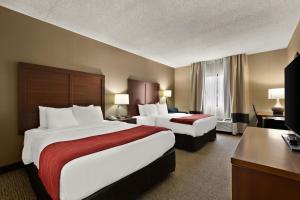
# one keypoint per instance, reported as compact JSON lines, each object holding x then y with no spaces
{"x":68,"y":117}
{"x":153,"y":109}
{"x":162,"y":109}
{"x":87,"y":115}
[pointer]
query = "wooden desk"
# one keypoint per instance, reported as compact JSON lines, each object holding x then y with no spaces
{"x":261,"y":116}
{"x":263,"y":167}
{"x":267,"y":114}
{"x":274,"y":122}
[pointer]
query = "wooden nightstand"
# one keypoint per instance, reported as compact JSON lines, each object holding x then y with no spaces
{"x":129,"y":120}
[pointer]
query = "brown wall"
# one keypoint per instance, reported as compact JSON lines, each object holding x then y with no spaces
{"x":29,"y":40}
{"x":266,"y":70}
{"x":294,"y":45}
{"x":182,"y":88}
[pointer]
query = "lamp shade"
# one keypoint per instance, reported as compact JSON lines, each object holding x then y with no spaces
{"x":167,"y":93}
{"x":121,"y":99}
{"x":276,"y":93}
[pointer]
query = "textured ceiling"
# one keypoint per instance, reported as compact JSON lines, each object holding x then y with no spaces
{"x":173,"y":32}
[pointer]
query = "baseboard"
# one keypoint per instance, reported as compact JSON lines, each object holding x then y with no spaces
{"x":11,"y":167}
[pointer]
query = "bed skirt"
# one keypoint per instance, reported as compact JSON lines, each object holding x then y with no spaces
{"x":190,"y":143}
{"x":129,"y":187}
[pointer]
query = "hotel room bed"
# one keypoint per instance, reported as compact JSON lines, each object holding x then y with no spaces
{"x":199,"y":128}
{"x":83,"y":176}
{"x":188,"y":137}
{"x":119,"y":172}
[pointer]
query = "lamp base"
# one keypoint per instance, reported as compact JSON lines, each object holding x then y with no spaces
{"x":278,"y":111}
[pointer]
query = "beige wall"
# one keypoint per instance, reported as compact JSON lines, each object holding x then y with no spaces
{"x":29,"y":40}
{"x":182,"y":88}
{"x":294,"y":45}
{"x":266,"y":70}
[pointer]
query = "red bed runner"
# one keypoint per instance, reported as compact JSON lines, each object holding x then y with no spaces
{"x":56,"y":155}
{"x":189,"y":119}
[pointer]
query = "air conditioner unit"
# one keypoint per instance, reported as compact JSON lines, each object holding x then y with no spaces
{"x":226,"y":125}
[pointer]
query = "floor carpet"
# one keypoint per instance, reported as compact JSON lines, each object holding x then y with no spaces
{"x":203,"y":175}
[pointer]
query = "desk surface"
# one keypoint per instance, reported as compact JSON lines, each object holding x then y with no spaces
{"x":267,"y":114}
{"x":265,"y":150}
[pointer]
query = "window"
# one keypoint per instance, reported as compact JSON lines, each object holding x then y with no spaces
{"x":216,"y":88}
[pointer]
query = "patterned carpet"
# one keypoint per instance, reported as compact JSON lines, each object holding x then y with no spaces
{"x":203,"y":175}
{"x":15,"y":185}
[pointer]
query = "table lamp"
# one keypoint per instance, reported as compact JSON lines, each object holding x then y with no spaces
{"x":167,"y":94}
{"x":277,"y":93}
{"x":121,"y":99}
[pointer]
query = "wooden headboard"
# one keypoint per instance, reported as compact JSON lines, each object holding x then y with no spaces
{"x":141,"y":92}
{"x":53,"y":87}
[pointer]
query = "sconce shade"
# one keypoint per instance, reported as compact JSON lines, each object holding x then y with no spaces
{"x":121,"y":99}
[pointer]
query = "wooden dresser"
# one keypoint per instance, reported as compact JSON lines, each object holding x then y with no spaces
{"x":263,"y":167}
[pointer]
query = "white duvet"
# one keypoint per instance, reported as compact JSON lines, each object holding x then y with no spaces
{"x":199,"y":128}
{"x":85,"y":175}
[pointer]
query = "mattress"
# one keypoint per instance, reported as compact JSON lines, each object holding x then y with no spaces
{"x":199,"y":128}
{"x":83,"y":176}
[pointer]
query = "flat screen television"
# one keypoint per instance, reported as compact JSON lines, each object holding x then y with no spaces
{"x":292,"y":94}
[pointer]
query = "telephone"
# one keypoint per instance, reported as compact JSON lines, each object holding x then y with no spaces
{"x":113,"y":118}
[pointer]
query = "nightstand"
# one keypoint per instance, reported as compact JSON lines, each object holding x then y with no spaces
{"x":129,"y":120}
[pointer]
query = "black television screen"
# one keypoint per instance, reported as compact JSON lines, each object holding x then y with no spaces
{"x":292,"y":100}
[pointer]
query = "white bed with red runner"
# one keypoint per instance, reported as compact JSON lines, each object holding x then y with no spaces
{"x":84,"y":175}
{"x":198,"y":128}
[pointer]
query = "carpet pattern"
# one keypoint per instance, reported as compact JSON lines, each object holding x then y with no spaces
{"x":202,"y":175}
{"x":15,"y":185}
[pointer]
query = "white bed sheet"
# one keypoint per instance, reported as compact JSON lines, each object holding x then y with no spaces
{"x":85,"y":175}
{"x":199,"y":128}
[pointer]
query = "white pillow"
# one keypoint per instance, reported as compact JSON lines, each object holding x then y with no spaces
{"x":162,"y":109}
{"x":141,"y":110}
{"x":87,"y":115}
{"x":99,"y":110}
{"x":150,"y":109}
{"x":60,"y":118}
{"x":43,"y":117}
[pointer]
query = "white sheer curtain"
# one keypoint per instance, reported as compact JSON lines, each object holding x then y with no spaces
{"x":216,"y":87}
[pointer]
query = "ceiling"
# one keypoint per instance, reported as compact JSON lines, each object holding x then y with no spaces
{"x":173,"y":32}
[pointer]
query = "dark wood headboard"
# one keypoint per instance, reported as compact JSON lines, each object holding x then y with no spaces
{"x":54,"y":87}
{"x":141,"y":92}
